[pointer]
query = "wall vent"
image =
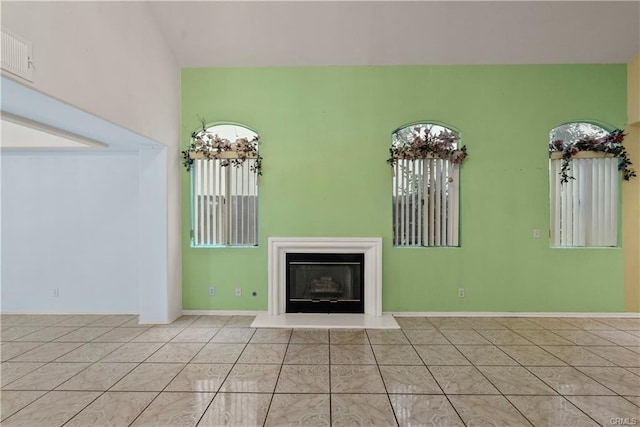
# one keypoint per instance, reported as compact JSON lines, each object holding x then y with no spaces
{"x":16,"y":55}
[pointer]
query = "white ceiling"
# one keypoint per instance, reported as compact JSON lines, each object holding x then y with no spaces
{"x":311,"y":33}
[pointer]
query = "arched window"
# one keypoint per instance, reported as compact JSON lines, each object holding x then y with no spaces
{"x":425,"y":194}
{"x":224,"y":164}
{"x":583,"y":185}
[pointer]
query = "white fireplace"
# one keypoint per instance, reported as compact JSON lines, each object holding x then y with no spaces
{"x":371,"y":247}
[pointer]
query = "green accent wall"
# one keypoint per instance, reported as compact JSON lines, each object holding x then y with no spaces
{"x":325,"y":136}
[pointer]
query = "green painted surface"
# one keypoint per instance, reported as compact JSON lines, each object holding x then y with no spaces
{"x":325,"y":134}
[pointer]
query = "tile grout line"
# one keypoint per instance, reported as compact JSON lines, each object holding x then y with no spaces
{"x":53,"y":389}
{"x":505,"y":397}
{"x":228,"y":373}
{"x":169,"y":382}
{"x":446,"y":396}
{"x":174,"y":377}
{"x":561,"y":395}
{"x":544,"y":382}
{"x":273,"y":393}
{"x":519,"y":364}
{"x":330,"y":393}
{"x":54,"y":360}
{"x":528,"y":368}
{"x":571,"y":365}
{"x":564,"y":397}
{"x":109,"y":389}
{"x":375,"y":358}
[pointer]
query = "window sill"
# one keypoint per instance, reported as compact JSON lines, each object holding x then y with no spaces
{"x":224,"y":247}
{"x":222,"y":155}
{"x":426,"y":247}
{"x":586,"y":247}
{"x":557,"y":155}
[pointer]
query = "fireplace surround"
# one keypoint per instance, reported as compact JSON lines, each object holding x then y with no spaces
{"x":369,"y":247}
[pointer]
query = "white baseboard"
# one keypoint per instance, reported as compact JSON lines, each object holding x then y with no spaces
{"x":149,"y":322}
{"x":393,"y":313}
{"x":435,"y":313}
{"x":159,"y":322}
{"x":222,"y":312}
{"x":507,"y":314}
{"x":69,"y":313}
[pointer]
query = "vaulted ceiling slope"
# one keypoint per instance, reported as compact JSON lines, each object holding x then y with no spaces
{"x":312,"y":33}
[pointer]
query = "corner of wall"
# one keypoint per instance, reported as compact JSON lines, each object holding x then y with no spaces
{"x":633,"y":90}
{"x":631,"y":192}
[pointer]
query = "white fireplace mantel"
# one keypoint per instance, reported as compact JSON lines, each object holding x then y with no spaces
{"x":371,"y":247}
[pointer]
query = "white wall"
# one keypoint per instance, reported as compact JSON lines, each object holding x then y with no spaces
{"x":110,"y":59}
{"x":70,"y":221}
{"x":153,"y":304}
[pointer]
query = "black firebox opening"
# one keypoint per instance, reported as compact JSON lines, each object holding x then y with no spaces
{"x":325,"y":283}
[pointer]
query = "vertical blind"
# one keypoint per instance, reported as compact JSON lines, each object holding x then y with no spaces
{"x":584,"y":210}
{"x":425,"y":202}
{"x":225,"y":203}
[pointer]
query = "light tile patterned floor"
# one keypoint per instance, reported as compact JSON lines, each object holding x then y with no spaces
{"x":90,"y":370}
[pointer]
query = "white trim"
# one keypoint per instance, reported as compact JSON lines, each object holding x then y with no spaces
{"x":221,"y":155}
{"x":370,"y":246}
{"x":507,"y":314}
{"x":160,"y":322}
{"x":392,"y":313}
{"x":68,"y":313}
{"x":50,"y":130}
{"x":557,"y":155}
{"x":221,"y":312}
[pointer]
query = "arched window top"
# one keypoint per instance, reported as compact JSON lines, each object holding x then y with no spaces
{"x":583,"y":139}
{"x":231,"y":143}
{"x":573,"y":132}
{"x":426,"y":140}
{"x":426,"y":131}
{"x":227,"y":132}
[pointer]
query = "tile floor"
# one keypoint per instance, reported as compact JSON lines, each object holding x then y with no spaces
{"x":92,"y":370}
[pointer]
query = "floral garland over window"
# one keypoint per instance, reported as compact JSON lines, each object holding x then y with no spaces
{"x":609,"y":144}
{"x":211,"y":146}
{"x":421,"y":142}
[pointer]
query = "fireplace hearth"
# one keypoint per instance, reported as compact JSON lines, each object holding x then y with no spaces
{"x":325,"y":282}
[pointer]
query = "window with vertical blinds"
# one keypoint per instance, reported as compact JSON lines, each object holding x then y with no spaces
{"x":425,"y":202}
{"x":425,"y":191}
{"x":225,"y":195}
{"x":584,"y":208}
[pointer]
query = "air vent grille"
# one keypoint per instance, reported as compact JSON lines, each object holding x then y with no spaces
{"x":16,"y":55}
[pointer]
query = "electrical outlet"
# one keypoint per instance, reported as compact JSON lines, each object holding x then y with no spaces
{"x":238,"y":292}
{"x":56,"y":292}
{"x":461,"y":293}
{"x":212,"y":291}
{"x":536,"y":233}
